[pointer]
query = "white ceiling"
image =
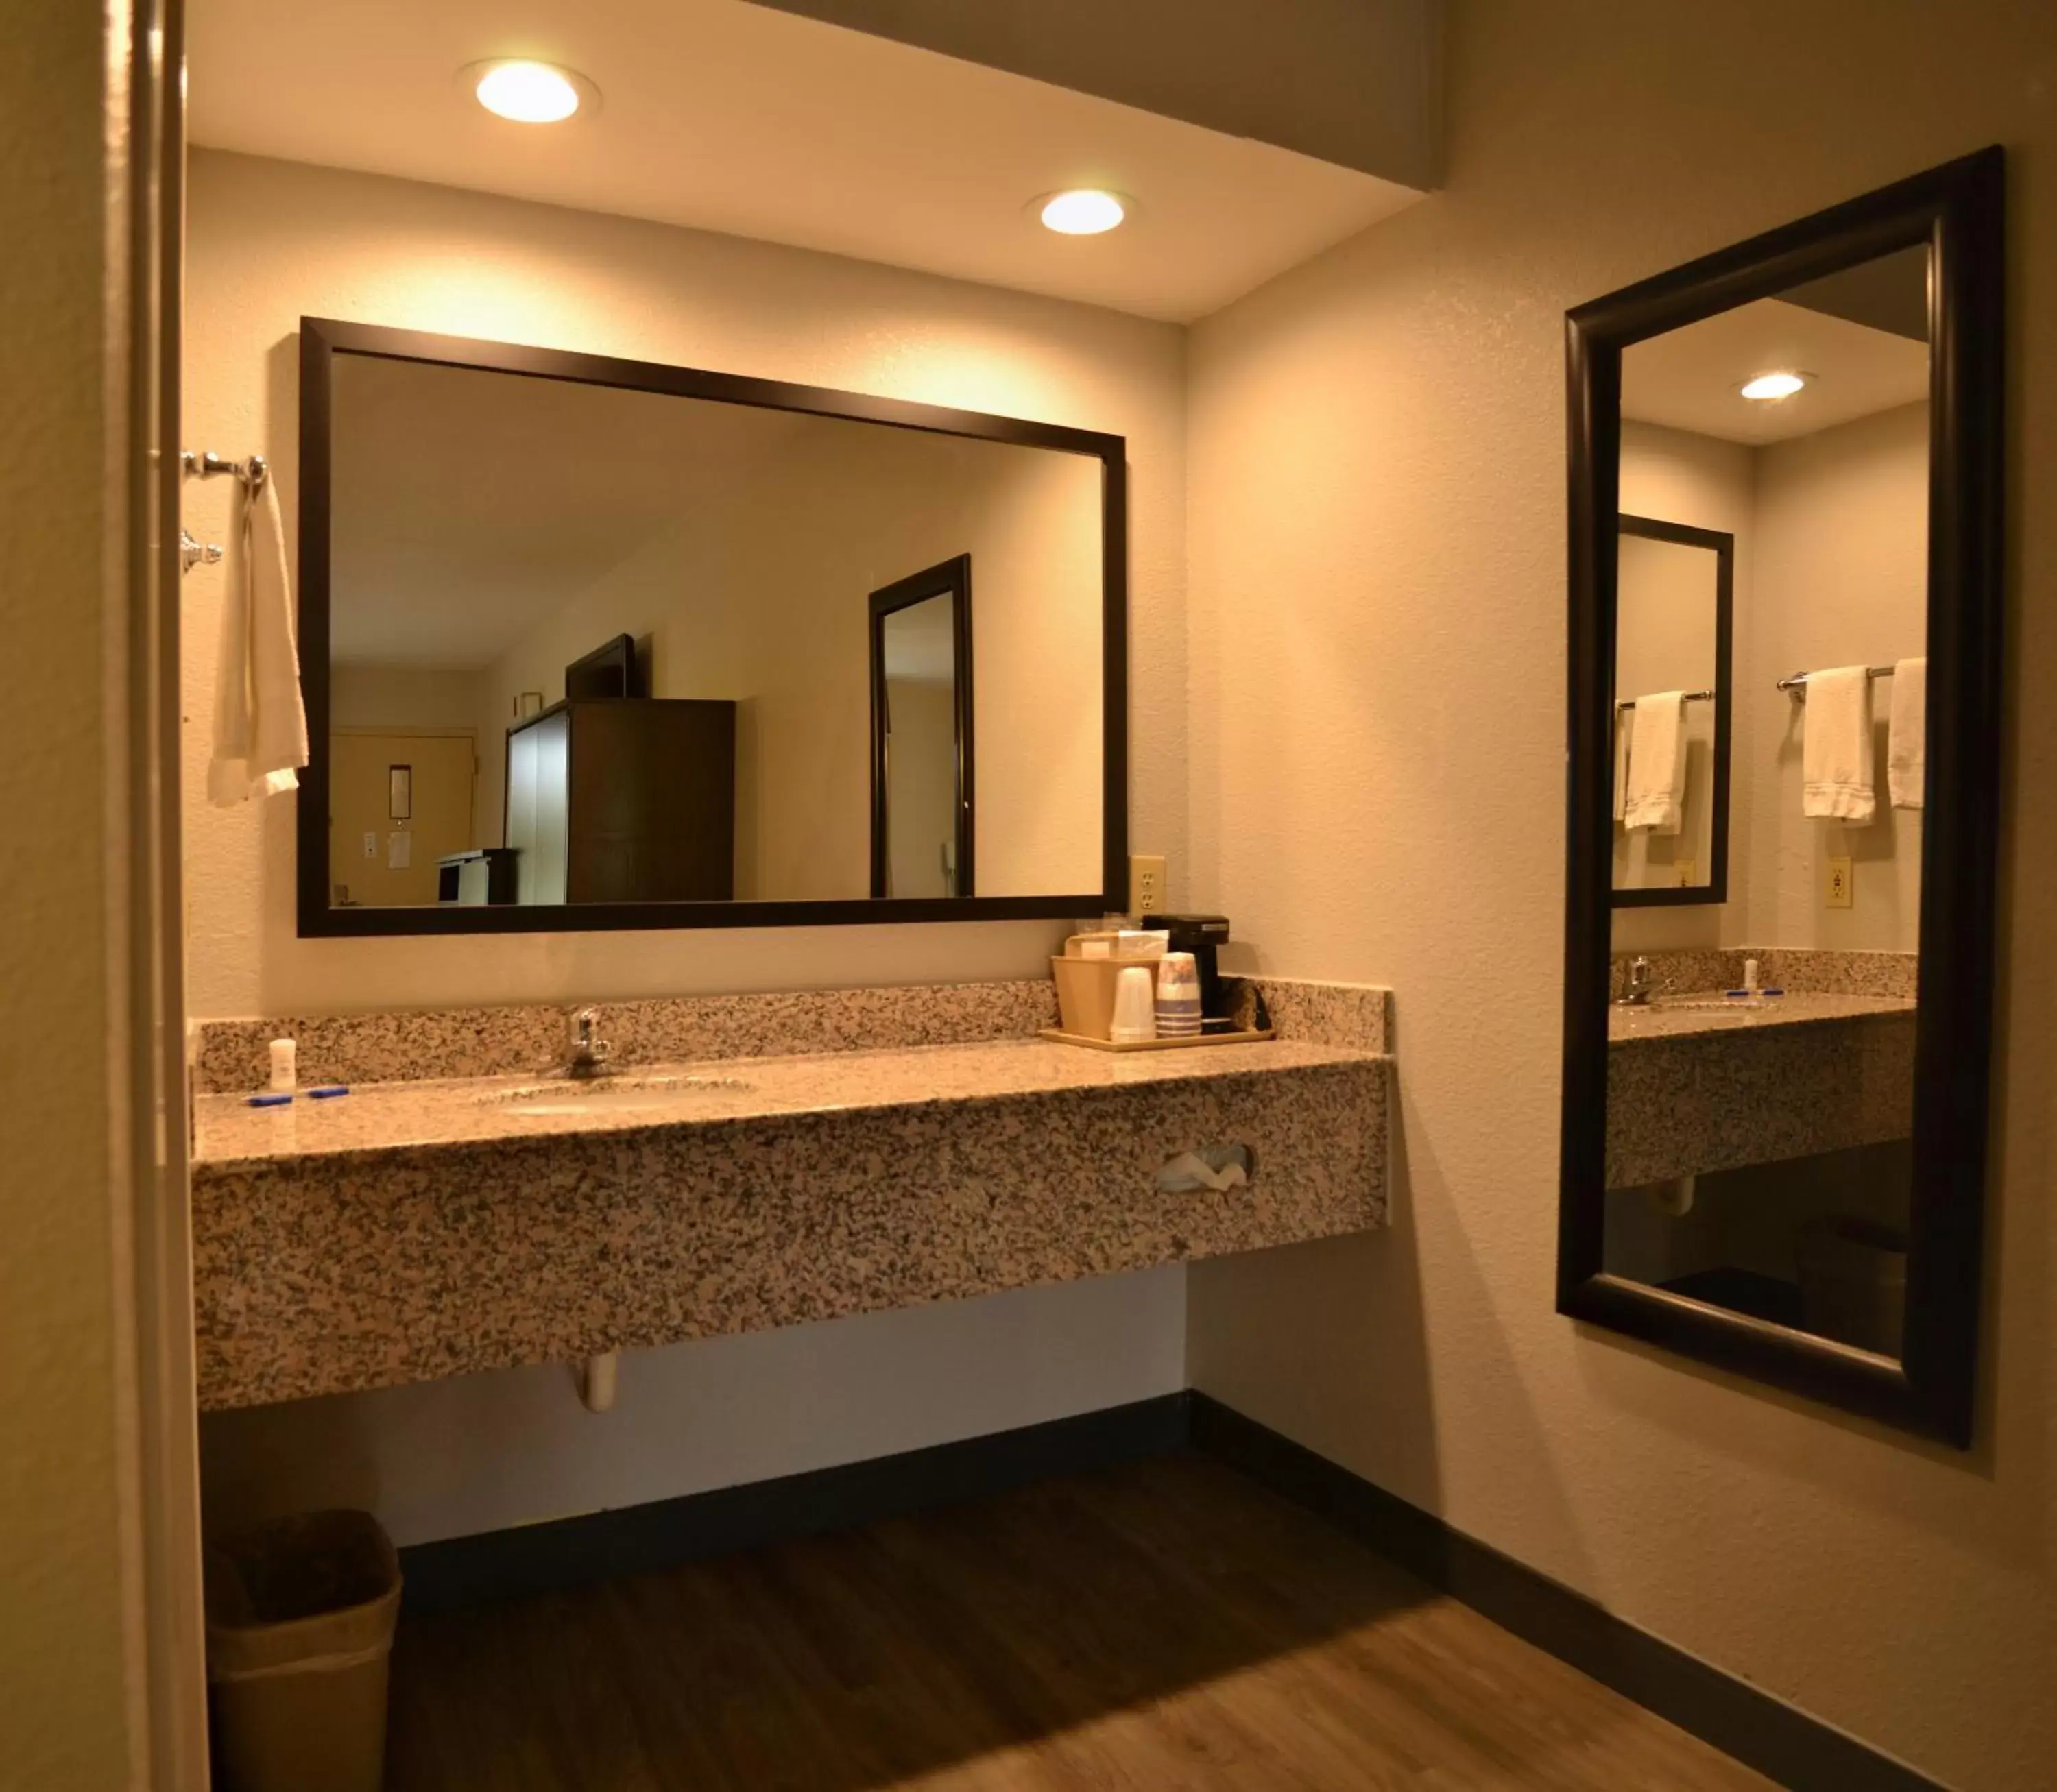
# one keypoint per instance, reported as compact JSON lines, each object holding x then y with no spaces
{"x":1687,"y":379}
{"x":733,"y":117}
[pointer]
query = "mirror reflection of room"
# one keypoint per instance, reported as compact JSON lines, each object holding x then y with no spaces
{"x":1760,"y":1061}
{"x":622,"y":638}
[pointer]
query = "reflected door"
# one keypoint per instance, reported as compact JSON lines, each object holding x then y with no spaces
{"x":386,"y":833}
{"x":921,"y":734}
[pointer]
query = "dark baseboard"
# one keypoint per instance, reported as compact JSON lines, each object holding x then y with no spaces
{"x":1781,"y":1742}
{"x":570,"y":1552}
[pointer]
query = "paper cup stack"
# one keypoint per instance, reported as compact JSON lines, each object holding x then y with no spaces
{"x":1178,"y":997}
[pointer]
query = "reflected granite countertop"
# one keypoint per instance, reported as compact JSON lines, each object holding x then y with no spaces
{"x":460,"y":1112}
{"x":1670,"y":1017}
{"x":1699,"y":1083}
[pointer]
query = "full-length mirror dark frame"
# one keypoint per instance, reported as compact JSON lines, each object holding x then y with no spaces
{"x":1956,"y":210}
{"x":321,"y":339}
{"x":952,"y":579}
{"x":1721,"y":545}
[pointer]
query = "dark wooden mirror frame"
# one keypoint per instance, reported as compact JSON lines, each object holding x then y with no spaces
{"x":321,"y":339}
{"x":1721,"y":545}
{"x":1957,"y":211}
{"x":952,"y":579}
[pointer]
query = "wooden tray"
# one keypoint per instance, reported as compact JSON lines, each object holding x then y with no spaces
{"x":1064,"y":1038}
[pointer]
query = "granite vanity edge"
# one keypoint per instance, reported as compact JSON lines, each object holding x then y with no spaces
{"x":422,"y":1153}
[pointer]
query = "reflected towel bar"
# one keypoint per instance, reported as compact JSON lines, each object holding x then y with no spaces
{"x":1798,"y":682}
{"x":1687,"y":696}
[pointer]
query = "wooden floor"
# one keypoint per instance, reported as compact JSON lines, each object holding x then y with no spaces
{"x":1162,"y":1626}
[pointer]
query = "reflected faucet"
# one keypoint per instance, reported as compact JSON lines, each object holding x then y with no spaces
{"x":1642,"y":985}
{"x":589,"y":1052}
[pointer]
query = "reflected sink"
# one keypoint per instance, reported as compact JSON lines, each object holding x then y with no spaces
{"x":615,"y":1094}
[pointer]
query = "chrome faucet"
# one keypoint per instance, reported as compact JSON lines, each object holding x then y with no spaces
{"x":1642,"y":985}
{"x":589,"y":1051}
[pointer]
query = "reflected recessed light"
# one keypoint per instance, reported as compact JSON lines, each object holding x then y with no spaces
{"x":529,"y":92}
{"x":1769,"y":388}
{"x":1082,"y":212}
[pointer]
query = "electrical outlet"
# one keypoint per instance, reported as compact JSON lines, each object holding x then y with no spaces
{"x":1146,"y":884}
{"x":1838,"y":887}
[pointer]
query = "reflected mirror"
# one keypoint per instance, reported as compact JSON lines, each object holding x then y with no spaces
{"x":1673,"y":619}
{"x":659,"y":647}
{"x":1764,"y":599}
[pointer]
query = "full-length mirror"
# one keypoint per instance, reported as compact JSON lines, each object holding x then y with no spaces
{"x":1784,"y":617}
{"x":592,"y":643}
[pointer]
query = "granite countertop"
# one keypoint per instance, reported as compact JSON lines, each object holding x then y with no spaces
{"x":462,"y":1112}
{"x":1710,"y":1011}
{"x":833,"y":1154}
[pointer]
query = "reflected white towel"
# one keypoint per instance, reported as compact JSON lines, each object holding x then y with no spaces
{"x":1907,"y":733}
{"x":1836,"y":757}
{"x":1655,"y":786}
{"x":260,"y":726}
{"x":1623,"y":721}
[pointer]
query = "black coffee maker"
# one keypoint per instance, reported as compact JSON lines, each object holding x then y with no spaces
{"x":1203,"y":935}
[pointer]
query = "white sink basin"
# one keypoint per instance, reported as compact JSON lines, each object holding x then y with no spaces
{"x":616,"y":1094}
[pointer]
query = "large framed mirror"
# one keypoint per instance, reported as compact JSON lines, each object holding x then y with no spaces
{"x":648,"y":647}
{"x":1785,"y":531}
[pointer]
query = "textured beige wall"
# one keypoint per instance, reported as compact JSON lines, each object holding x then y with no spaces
{"x":65,"y":1705}
{"x":270,"y":241}
{"x":1378,"y":448}
{"x":1842,"y":564}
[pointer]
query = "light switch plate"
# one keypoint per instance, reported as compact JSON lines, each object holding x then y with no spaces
{"x":1836,"y":887}
{"x":1686,"y":872}
{"x":1146,"y":884}
{"x":370,"y":845}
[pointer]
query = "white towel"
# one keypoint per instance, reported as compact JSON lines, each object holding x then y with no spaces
{"x":260,"y":726}
{"x":1907,"y":733}
{"x":1836,"y":758}
{"x":1624,"y":720}
{"x":1655,"y":786}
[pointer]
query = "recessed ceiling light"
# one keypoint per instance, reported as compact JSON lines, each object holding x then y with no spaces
{"x":1769,"y":388}
{"x":529,"y":92}
{"x":1082,"y":212}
